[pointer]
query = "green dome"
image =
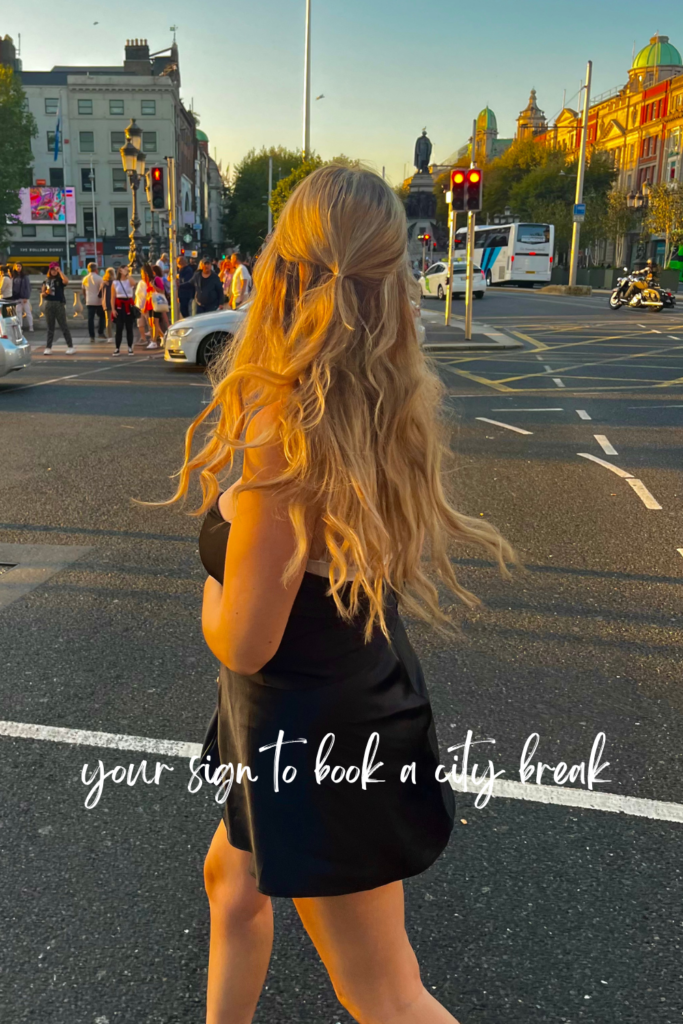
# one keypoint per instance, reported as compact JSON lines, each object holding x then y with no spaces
{"x":658,"y":52}
{"x":486,"y":121}
{"x":201,"y":136}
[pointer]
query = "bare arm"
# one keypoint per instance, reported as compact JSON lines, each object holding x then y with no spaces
{"x":244,"y":620}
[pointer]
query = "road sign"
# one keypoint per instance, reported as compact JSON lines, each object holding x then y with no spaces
{"x":579,"y":212}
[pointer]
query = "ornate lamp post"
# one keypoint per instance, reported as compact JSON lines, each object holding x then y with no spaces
{"x":133,"y":160}
{"x":639,"y":201}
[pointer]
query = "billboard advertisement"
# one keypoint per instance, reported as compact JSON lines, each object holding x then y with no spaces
{"x":40,"y":205}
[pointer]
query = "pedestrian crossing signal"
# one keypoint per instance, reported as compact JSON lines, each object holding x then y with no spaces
{"x":157,"y":189}
{"x":458,"y":178}
{"x":474,"y":188}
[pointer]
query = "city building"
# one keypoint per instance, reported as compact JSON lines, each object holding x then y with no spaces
{"x":81,"y":114}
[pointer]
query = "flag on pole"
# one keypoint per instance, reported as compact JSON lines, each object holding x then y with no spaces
{"x":57,"y":131}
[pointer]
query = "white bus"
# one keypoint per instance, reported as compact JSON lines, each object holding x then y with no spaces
{"x":520,"y":253}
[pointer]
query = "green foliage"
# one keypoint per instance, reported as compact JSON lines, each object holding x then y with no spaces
{"x":245,"y":200}
{"x":285,"y":187}
{"x":17,"y":128}
{"x":665,"y":215}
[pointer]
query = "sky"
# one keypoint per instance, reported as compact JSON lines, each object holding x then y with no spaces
{"x":386,"y":68}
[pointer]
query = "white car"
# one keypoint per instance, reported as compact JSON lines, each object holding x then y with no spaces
{"x":15,"y":351}
{"x":199,"y":339}
{"x":434,"y":281}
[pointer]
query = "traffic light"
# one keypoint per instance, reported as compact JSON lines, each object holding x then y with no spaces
{"x":458,"y":189}
{"x":475,"y":188}
{"x":157,"y":190}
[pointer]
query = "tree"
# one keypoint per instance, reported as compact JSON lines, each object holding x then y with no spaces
{"x":619,"y":220}
{"x":245,"y":202}
{"x":17,"y":128}
{"x":286,"y":186}
{"x":665,"y":215}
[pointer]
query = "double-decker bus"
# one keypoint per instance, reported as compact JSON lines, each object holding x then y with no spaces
{"x":520,"y":253}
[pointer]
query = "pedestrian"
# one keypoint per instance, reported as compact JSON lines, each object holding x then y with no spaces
{"x":164,"y":264}
{"x":107,"y":291}
{"x":124,"y":302}
{"x":6,"y":284}
{"x":54,"y":297}
{"x":140,"y":305}
{"x":155,"y":300}
{"x":161,"y":277}
{"x":341,"y":511}
{"x":185,"y":286}
{"x":241,"y":282}
{"x":21,"y":293}
{"x":208,"y":288}
{"x":227,"y":271}
{"x":92,"y":298}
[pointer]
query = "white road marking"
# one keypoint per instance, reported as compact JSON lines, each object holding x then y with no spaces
{"x":559,"y":382}
{"x":658,"y":810}
{"x":643,"y":493}
{"x":653,"y":331}
{"x":547,"y":368}
{"x":57,"y":380}
{"x":654,"y":406}
{"x":607,"y":448}
{"x":583,"y":415}
{"x":608,"y":465}
{"x":680,"y":551}
{"x":544,"y":409}
{"x":508,"y":426}
{"x":83,"y":737}
{"x":674,"y":338}
{"x":540,"y":358}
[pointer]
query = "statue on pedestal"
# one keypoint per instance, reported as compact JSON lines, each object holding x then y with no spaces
{"x":423,"y":152}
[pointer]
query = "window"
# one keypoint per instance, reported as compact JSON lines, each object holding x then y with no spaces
{"x":58,"y":231}
{"x":28,"y":231}
{"x":57,"y":177}
{"x":87,"y":223}
{"x":84,"y":107}
{"x":116,"y":108}
{"x":51,"y":107}
{"x":118,"y":180}
{"x":148,"y":108}
{"x":118,"y":139}
{"x":86,"y":142}
{"x":88,"y":184}
{"x":149,"y":142}
{"x":51,"y":142}
{"x":120,"y":220}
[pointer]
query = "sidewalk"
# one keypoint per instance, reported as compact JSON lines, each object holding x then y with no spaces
{"x":485,"y":338}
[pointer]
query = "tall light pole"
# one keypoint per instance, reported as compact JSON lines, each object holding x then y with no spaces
{"x":133,"y":160}
{"x":576,"y":228}
{"x":94,"y":215}
{"x":306,"y":149}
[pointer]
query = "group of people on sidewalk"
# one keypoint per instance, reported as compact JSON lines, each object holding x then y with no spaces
{"x":15,"y":287}
{"x":114,"y":303}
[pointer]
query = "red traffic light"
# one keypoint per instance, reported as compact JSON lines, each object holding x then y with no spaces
{"x":474,"y":187}
{"x":474,"y":177}
{"x":458,"y":188}
{"x":156,"y":173}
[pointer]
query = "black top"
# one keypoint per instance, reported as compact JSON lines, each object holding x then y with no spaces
{"x":208,"y":291}
{"x":56,"y":289}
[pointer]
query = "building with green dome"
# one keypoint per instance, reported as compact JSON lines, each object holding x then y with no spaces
{"x":656,"y":62}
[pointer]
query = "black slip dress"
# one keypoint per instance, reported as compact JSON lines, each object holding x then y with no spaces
{"x":330,"y":834}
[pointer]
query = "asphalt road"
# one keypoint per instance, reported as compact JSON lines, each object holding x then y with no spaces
{"x":537,"y":913}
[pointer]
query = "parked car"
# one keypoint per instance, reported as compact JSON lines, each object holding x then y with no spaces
{"x":434,"y":280}
{"x":15,"y":351}
{"x":199,"y":339}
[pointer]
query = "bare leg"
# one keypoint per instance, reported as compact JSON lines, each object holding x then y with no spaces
{"x":241,"y":934}
{"x":362,"y":941}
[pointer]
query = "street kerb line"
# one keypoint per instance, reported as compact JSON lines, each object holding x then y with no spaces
{"x":507,"y":426}
{"x":658,"y":810}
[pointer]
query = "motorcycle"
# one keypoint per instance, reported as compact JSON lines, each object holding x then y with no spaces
{"x":648,"y":295}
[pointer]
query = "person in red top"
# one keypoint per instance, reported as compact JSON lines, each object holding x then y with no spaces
{"x":124,"y":300}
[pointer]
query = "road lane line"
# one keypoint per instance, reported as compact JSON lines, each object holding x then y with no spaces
{"x":508,"y":426}
{"x":540,"y":358}
{"x":607,"y":448}
{"x":544,"y":409}
{"x":583,"y":415}
{"x":560,"y":383}
{"x":608,"y":465}
{"x":680,"y":551}
{"x":674,"y":338}
{"x":57,"y":380}
{"x":549,"y":369}
{"x":643,"y":493}
{"x":658,"y":810}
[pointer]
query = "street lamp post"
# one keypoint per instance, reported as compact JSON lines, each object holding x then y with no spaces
{"x":639,"y":201}
{"x":133,"y":160}
{"x":576,"y":226}
{"x":307,"y":84}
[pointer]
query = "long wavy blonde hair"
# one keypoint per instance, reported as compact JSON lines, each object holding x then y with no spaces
{"x":330,"y":342}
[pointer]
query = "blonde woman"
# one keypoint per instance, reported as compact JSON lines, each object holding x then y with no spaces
{"x":339,"y":514}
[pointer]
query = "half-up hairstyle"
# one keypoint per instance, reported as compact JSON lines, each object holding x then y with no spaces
{"x":330,"y":342}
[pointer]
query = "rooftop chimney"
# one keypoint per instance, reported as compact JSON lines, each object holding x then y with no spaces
{"x":137,"y":57}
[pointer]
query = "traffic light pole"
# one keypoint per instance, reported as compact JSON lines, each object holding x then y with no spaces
{"x":576,"y":227}
{"x":451,"y":237}
{"x":470,"y":248}
{"x":172,"y":238}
